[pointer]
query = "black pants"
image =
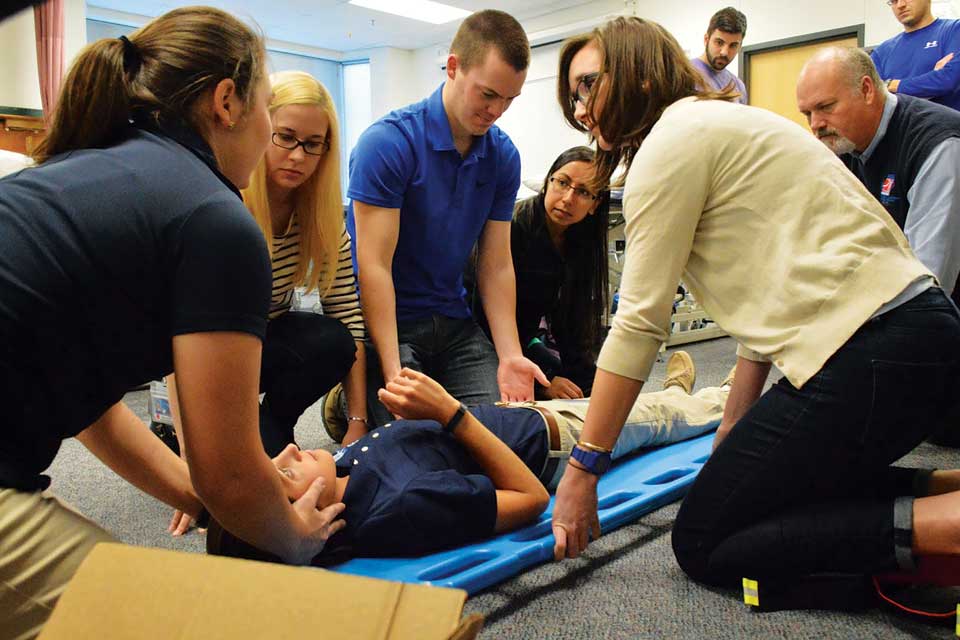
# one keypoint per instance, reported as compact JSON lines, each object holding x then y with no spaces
{"x":802,"y":484}
{"x":304,"y":356}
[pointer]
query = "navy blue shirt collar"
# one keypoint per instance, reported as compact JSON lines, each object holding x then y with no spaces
{"x":439,"y":132}
{"x":186,"y":136}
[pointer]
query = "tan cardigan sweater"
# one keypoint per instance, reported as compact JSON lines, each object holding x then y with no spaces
{"x":783,"y":247}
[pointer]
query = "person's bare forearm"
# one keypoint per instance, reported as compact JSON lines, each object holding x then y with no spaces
{"x":380,"y":315}
{"x":611,"y":400}
{"x":355,"y":384}
{"x":746,"y":388}
{"x":217,"y":381}
{"x":239,"y":491}
{"x":355,"y":392}
{"x":123,"y":443}
{"x":498,"y":291}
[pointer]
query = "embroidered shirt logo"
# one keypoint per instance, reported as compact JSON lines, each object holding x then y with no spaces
{"x":888,"y":184}
{"x":931,"y":44}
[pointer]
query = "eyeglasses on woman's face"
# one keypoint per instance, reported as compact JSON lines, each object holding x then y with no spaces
{"x":562,"y":185}
{"x":583,"y":90}
{"x":291,"y":142}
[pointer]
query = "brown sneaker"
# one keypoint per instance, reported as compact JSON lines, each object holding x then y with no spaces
{"x":680,"y":371}
{"x":728,"y":381}
{"x":334,"y":421}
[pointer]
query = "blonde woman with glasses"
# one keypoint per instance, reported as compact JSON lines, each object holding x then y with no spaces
{"x":295,"y":197}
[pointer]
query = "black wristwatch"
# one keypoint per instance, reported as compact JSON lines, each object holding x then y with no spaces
{"x":455,"y":420}
{"x":595,"y":462}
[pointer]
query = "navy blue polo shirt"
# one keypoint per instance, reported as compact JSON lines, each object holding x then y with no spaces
{"x":414,"y":489}
{"x":407,"y":161}
{"x":105,"y":255}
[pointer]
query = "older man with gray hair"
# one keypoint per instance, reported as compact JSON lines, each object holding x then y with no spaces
{"x":905,"y":150}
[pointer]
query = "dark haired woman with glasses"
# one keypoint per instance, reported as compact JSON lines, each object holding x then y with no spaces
{"x":559,"y":246}
{"x":789,"y":254}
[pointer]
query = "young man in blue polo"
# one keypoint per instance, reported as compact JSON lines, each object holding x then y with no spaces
{"x":427,"y":182}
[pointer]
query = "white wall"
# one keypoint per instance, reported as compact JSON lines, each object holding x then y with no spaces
{"x":19,"y":82}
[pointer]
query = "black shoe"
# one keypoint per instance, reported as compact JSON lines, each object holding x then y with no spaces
{"x":167,"y":434}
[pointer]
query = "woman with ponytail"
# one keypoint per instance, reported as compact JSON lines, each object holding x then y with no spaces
{"x":126,"y":254}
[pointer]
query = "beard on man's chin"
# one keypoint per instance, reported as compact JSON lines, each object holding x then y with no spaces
{"x":832,"y":139}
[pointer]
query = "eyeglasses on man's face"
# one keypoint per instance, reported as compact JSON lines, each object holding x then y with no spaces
{"x":583,"y":90}
{"x":291,"y":142}
{"x":562,"y":185}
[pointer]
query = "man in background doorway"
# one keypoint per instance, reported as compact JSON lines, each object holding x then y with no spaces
{"x":721,"y":44}
{"x":920,"y":61}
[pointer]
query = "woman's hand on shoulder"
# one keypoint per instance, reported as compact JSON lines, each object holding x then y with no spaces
{"x":416,"y":396}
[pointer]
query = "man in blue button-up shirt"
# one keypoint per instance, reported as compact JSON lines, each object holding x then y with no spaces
{"x":427,"y":182}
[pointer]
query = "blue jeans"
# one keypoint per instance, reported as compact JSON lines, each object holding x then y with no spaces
{"x":455,"y":352}
{"x":803,"y":484}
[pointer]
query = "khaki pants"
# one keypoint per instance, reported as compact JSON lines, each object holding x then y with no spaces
{"x":657,"y":418}
{"x":42,"y":543}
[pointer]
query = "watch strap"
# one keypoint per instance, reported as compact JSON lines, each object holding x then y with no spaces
{"x":455,"y":420}
{"x":595,"y":462}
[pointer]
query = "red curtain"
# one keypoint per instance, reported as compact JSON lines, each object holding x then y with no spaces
{"x":49,"y":27}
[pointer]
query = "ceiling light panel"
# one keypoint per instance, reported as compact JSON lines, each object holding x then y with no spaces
{"x":423,"y":10}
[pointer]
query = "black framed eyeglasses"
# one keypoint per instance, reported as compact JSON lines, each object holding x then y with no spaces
{"x":584,"y":89}
{"x":291,"y":142}
{"x":562,"y":185}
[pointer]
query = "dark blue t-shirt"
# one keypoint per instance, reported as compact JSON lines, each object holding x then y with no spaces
{"x":105,"y":255}
{"x":414,"y":489}
{"x":910,"y":58}
{"x":407,"y":160}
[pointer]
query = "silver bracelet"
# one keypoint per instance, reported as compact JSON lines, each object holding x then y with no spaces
{"x":356,"y":418}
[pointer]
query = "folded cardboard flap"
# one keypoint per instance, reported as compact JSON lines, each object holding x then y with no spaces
{"x":122,"y":591}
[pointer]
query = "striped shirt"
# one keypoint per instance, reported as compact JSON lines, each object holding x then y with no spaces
{"x":340,"y":302}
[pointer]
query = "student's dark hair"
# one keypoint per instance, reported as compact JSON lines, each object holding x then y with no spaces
{"x":643,"y":71}
{"x":729,"y":20}
{"x":584,"y":297}
{"x":158,"y":73}
{"x":491,"y":28}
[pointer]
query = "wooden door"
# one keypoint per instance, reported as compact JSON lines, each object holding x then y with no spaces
{"x":773,"y":75}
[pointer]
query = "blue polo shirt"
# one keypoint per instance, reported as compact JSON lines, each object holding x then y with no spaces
{"x":407,"y":161}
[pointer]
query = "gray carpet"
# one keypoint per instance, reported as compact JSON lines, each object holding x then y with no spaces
{"x":627,"y":586}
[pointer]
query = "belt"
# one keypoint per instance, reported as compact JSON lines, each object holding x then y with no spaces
{"x":552,"y":464}
{"x":553,"y":429}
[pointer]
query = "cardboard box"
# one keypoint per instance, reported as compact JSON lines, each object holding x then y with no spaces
{"x":122,"y":591}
